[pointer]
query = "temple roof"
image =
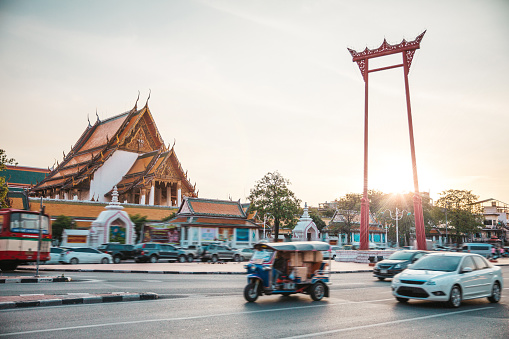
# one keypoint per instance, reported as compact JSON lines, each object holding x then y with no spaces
{"x":133,"y":131}
{"x":210,"y":207}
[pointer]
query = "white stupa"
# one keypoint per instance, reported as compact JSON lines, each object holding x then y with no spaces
{"x":306,"y":228}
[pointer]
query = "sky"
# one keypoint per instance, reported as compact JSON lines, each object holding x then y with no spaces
{"x":250,"y":87}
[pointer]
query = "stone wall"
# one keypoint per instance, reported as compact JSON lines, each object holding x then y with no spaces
{"x":361,"y":256}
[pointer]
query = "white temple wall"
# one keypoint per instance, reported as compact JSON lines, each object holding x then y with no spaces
{"x":110,"y":173}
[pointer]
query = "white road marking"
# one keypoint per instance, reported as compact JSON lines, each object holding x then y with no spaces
{"x":387,"y":323}
{"x":238,"y":313}
{"x":181,"y":318}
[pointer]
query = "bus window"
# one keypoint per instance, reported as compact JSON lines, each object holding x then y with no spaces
{"x":28,"y":223}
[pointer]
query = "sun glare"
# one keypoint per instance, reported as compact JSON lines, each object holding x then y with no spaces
{"x":400,"y":180}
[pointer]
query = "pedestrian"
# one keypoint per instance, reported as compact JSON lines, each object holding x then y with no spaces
{"x":493,"y":252}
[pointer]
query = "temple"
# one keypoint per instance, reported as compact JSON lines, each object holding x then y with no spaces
{"x":126,"y":151}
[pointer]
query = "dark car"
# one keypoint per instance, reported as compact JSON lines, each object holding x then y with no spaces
{"x":396,"y":263}
{"x":118,"y":251}
{"x":152,"y":252}
{"x":216,"y":252}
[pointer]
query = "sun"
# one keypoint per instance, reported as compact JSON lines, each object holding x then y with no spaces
{"x":399,"y":179}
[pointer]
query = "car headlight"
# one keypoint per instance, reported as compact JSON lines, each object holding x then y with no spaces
{"x":431,"y":282}
{"x":395,"y":279}
{"x":397,"y":266}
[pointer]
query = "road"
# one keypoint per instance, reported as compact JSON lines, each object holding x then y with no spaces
{"x":212,"y":306}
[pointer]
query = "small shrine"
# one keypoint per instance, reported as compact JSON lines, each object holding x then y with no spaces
{"x":112,"y":225}
{"x":306,"y":228}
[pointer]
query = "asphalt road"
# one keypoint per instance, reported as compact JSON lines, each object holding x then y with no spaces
{"x":212,"y":306}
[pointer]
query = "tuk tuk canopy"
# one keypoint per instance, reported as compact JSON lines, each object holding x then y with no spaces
{"x":294,"y":246}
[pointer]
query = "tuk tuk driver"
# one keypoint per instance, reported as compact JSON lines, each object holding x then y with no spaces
{"x":280,"y":267}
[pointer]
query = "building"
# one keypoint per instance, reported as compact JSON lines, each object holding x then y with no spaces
{"x":125,"y":151}
{"x":377,"y":233}
{"x":496,"y":215}
{"x":202,"y":221}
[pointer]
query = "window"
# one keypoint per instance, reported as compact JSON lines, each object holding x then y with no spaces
{"x":468,"y":262}
{"x":481,"y":263}
{"x":28,"y":223}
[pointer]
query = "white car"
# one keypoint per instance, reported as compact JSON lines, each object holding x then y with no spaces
{"x":84,"y":255}
{"x":54,"y":254}
{"x":450,"y":277}
{"x":332,"y":253}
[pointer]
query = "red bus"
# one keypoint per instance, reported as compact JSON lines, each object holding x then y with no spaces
{"x":19,"y":237}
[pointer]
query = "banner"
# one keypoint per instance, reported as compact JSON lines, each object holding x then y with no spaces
{"x":162,"y":233}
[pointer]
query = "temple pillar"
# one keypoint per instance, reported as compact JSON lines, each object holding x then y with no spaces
{"x":142,"y":196}
{"x":152,"y":194}
{"x":179,"y":194}
{"x":168,"y":195}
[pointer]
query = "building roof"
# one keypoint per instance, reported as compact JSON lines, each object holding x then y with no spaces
{"x":23,"y":177}
{"x":212,"y":213}
{"x":133,"y":131}
{"x":211,"y":207}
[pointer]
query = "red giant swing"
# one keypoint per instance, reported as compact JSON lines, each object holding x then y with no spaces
{"x":407,"y":50}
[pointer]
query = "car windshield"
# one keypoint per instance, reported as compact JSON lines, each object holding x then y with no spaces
{"x":262,"y":256}
{"x":400,"y":256}
{"x":437,"y":263}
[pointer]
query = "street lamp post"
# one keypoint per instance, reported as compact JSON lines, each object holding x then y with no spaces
{"x":398,"y":216}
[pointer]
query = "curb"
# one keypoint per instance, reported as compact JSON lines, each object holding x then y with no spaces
{"x":163,"y":272}
{"x":70,"y":300}
{"x":34,"y":280}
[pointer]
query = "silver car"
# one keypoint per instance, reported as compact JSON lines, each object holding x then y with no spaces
{"x":449,"y":277}
{"x":243,"y":254}
{"x":84,"y":255}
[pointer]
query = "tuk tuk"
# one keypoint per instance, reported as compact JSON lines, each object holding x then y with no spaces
{"x":287,"y":268}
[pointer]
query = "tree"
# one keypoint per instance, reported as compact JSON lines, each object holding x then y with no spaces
{"x":62,"y":222}
{"x":4,"y":189}
{"x":348,"y":209}
{"x":320,"y":224}
{"x":463,"y":214}
{"x":138,"y":222}
{"x":271,"y":196}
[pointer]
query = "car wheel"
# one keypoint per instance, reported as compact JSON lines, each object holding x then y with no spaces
{"x":116,"y":259}
{"x":402,"y":300}
{"x":334,"y":257}
{"x":153,"y":259}
{"x":242,"y":258}
{"x":190,"y":258}
{"x":136,"y":260}
{"x":496,"y":293}
{"x":182,"y":258}
{"x":251,"y":293}
{"x":455,"y":297}
{"x":74,"y":261}
{"x":381,"y":278}
{"x":105,"y":261}
{"x":317,"y":291}
{"x":215,"y":258}
{"x":236,"y":258}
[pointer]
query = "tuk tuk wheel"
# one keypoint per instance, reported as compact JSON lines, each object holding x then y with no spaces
{"x":317,"y":291}
{"x":251,"y":292}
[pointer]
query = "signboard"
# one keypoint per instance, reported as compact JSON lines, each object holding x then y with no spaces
{"x":77,"y":239}
{"x":208,"y":234}
{"x":162,"y":233}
